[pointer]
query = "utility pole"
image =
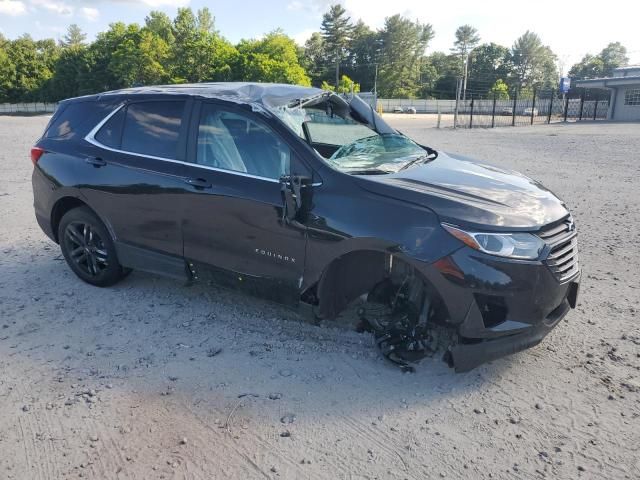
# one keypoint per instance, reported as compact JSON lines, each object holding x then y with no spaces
{"x":337,"y":67}
{"x":375,"y":86}
{"x":466,"y":70}
{"x":458,"y":88}
{"x":466,"y":74}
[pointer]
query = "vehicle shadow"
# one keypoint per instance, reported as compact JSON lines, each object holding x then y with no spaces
{"x":154,"y":335}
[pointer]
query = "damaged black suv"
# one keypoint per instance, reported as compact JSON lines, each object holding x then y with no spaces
{"x":308,"y":198}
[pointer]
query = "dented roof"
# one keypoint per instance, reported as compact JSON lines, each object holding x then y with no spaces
{"x":266,"y":94}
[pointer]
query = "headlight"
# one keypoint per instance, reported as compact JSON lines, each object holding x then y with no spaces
{"x":512,"y":245}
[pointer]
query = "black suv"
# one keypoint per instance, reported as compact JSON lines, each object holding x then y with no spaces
{"x":308,"y":198}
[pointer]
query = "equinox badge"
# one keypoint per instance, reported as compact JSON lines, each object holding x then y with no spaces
{"x":275,"y":256}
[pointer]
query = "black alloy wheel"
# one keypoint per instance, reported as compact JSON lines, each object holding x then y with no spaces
{"x":88,"y":248}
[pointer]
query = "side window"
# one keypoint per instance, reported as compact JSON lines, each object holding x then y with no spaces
{"x":234,"y":141}
{"x":111,"y":132}
{"x":152,"y":128}
{"x":334,"y":130}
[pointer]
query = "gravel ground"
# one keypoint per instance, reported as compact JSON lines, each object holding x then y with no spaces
{"x":153,"y":379}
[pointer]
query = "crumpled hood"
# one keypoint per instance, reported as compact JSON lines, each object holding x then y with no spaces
{"x":464,"y":191}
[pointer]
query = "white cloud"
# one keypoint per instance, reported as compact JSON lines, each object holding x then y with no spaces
{"x":13,"y":8}
{"x":166,"y":3}
{"x":60,"y":8}
{"x":159,"y":3}
{"x":90,"y":13}
{"x":49,"y":28}
{"x":314,"y":8}
{"x":301,"y":37}
{"x":295,"y":5}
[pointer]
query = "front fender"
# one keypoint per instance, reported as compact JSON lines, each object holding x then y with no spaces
{"x":340,"y":224}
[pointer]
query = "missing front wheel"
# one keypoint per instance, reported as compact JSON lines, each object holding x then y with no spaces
{"x":400,"y":312}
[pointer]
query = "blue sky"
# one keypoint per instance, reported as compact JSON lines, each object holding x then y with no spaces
{"x":571,"y":27}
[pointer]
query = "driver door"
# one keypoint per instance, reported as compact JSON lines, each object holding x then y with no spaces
{"x":234,"y":230}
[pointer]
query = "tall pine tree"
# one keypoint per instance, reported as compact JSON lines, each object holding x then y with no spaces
{"x":336,"y":30}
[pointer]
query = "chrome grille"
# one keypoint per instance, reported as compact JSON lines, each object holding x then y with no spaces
{"x":563,"y":255}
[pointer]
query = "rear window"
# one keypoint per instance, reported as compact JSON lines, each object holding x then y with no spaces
{"x":152,"y":128}
{"x":66,"y":123}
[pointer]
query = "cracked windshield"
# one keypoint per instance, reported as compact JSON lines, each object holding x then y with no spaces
{"x":352,"y":147}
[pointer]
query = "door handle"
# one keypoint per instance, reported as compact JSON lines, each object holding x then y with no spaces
{"x":199,"y":183}
{"x":95,"y":161}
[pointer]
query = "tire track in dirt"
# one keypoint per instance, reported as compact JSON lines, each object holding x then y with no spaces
{"x":376,"y":438}
{"x":45,"y":436}
{"x":29,"y":450}
{"x":238,"y":448}
{"x":191,"y":458}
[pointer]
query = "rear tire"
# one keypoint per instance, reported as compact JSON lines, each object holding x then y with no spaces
{"x":88,"y":248}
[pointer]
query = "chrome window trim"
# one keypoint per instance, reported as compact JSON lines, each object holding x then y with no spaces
{"x":233,"y":172}
{"x":90,"y":137}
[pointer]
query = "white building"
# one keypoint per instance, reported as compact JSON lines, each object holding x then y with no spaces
{"x":625,"y":93}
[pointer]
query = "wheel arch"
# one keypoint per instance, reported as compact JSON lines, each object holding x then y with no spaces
{"x":355,"y":273}
{"x":64,"y":205}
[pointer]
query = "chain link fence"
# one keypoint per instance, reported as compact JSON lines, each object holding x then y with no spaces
{"x":537,"y":108}
{"x":479,"y":109}
{"x":22,"y":108}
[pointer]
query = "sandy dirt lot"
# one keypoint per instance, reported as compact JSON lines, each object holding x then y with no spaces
{"x":152,"y":379}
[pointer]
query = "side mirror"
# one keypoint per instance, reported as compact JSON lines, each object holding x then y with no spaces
{"x":292,"y":196}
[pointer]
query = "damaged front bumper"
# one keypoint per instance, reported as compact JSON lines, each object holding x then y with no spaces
{"x":466,"y":356}
{"x":498,"y":306}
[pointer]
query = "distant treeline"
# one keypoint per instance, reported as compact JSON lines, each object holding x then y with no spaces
{"x":188,"y":48}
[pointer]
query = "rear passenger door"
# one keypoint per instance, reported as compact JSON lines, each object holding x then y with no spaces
{"x":140,"y":151}
{"x":233,"y":223}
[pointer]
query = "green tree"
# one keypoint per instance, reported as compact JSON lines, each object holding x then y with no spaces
{"x":611,"y":57}
{"x":99,"y":55}
{"x":439,"y":75}
{"x":362,"y":55}
{"x":346,"y":85}
{"x":48,"y":51}
{"x":532,"y":63}
{"x":69,"y":71}
{"x":199,"y":54}
{"x":31,"y":67}
{"x":159,"y":23}
{"x":205,"y":21}
{"x":314,"y":58}
{"x":74,"y":36}
{"x":327,"y":86}
{"x":487,"y":63}
{"x":7,"y":71}
{"x":189,"y":47}
{"x":140,"y":58}
{"x":271,"y":59}
{"x":499,"y":90}
{"x":402,"y":46}
{"x":336,"y":30}
{"x":466,"y":39}
{"x":589,"y":67}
